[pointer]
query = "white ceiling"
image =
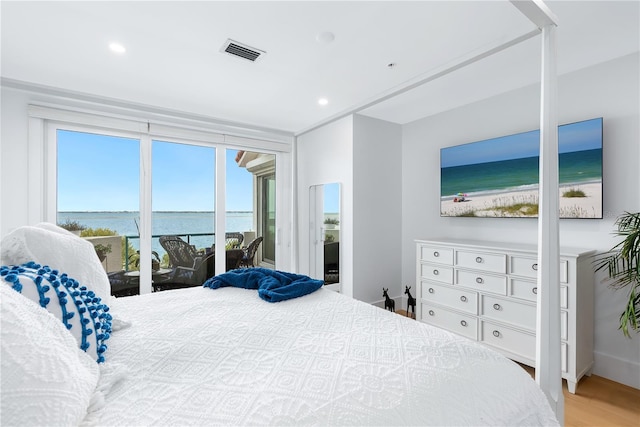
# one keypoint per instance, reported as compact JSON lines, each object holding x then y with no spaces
{"x":173,"y":59}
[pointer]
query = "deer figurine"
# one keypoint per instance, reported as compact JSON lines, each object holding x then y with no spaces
{"x":411,"y":301}
{"x":389,"y":304}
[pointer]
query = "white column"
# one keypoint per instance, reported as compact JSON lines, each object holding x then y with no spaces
{"x":548,"y":369}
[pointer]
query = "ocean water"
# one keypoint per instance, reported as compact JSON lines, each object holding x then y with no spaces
{"x":179,"y":223}
{"x":518,"y":174}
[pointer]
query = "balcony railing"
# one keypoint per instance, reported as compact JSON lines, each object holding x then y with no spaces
{"x":185,"y":236}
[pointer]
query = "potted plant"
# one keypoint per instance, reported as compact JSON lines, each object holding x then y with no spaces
{"x":331,"y":223}
{"x":102,"y":251}
{"x":622,"y":263}
{"x":73,"y":226}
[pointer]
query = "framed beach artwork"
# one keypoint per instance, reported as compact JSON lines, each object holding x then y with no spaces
{"x":499,"y":177}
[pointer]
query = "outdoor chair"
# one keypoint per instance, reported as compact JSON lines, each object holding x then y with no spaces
{"x":234,"y":257}
{"x":233,"y":240}
{"x":123,"y":285}
{"x":189,"y":267}
{"x":250,"y":253}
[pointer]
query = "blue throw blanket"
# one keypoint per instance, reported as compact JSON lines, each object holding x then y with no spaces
{"x":272,"y":285}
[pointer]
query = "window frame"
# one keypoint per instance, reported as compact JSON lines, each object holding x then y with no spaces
{"x":44,"y":121}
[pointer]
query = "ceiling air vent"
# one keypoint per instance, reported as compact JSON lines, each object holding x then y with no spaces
{"x":241,"y":50}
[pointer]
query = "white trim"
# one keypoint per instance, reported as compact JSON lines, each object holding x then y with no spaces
{"x":146,"y":213}
{"x":35,"y":167}
{"x":72,"y":101}
{"x":624,"y":371}
{"x":221,"y":207}
{"x":537,"y":12}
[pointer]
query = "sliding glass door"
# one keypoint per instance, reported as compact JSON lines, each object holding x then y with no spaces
{"x":183,"y":214}
{"x":98,"y":198}
{"x":149,"y":205}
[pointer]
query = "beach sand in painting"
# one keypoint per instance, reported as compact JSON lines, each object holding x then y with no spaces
{"x":487,"y":204}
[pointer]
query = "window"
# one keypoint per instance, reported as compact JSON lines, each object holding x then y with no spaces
{"x":267,"y":185}
{"x":98,"y":193}
{"x":263,"y":168}
{"x":119,"y":183}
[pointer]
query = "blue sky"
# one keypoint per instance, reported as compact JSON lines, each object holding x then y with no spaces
{"x":585,"y":135}
{"x":101,"y":173}
{"x":331,"y":197}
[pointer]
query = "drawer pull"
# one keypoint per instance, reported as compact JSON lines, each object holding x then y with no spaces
{"x":436,"y":272}
{"x":463,"y":298}
{"x":535,"y":290}
{"x":496,"y":333}
{"x":479,"y":280}
{"x":436,"y":254}
{"x":463,"y":323}
{"x":534,"y":267}
{"x":496,"y":306}
{"x":431,"y":313}
{"x":431,"y":290}
{"x":479,"y":260}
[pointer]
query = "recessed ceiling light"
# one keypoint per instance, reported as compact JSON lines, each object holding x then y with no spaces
{"x":323,"y":101}
{"x":117,"y":48}
{"x":325,"y":37}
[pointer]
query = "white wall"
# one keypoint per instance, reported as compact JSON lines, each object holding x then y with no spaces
{"x":325,"y":155}
{"x":377,"y":209}
{"x":610,"y":90}
{"x":364,"y":155}
{"x":13,"y":169}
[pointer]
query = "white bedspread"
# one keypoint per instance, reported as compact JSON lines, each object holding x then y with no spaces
{"x":204,"y":357}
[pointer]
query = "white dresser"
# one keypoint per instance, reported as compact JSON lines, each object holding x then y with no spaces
{"x":487,"y":291}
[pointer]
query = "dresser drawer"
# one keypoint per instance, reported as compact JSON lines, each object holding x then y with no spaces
{"x":524,"y":266}
{"x":528,"y":290}
{"x":436,"y":254}
{"x":496,"y":263}
{"x":455,"y":322}
{"x":528,"y":267}
{"x":437,"y":273}
{"x":512,"y":312}
{"x":516,"y":342}
{"x":482,"y":282}
{"x":459,"y":299}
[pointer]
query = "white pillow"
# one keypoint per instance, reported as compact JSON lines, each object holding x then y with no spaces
{"x":46,"y":378}
{"x":80,"y":310}
{"x":48,"y":244}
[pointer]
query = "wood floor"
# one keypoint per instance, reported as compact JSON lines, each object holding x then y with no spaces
{"x":600,"y":402}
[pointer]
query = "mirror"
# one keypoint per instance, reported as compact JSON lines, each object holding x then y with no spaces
{"x":324,"y":238}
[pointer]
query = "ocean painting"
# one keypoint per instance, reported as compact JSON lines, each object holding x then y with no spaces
{"x":499,"y":177}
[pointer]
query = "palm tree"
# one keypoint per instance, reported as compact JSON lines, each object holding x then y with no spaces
{"x":622,"y":263}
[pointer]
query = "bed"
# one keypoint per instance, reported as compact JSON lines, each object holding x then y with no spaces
{"x":201,"y":356}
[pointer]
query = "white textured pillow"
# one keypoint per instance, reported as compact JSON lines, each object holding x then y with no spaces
{"x":48,"y":244}
{"x":46,"y":378}
{"x":80,"y":310}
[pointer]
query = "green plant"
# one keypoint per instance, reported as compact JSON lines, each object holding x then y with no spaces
{"x":334,"y":221}
{"x":574,"y":193}
{"x":72,"y":225}
{"x":622,"y":263}
{"x":102,"y":250}
{"x":97,"y":232}
{"x":134,"y":260}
